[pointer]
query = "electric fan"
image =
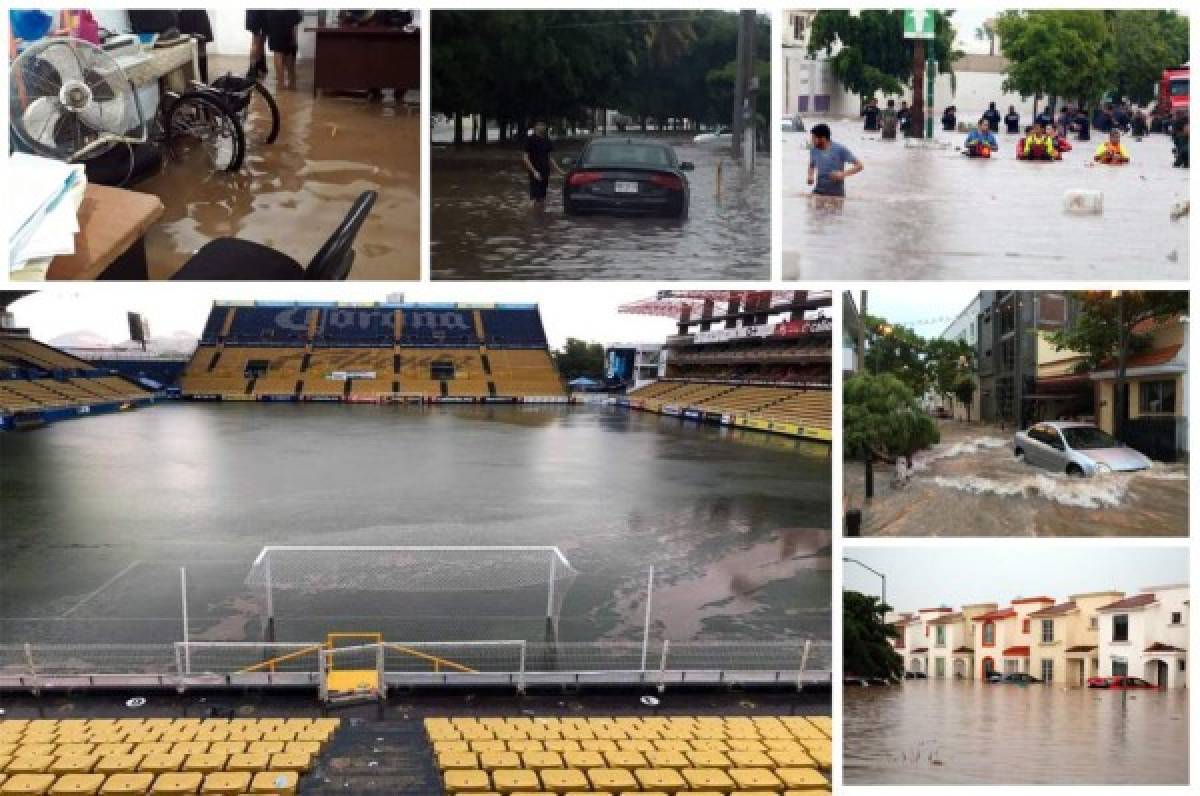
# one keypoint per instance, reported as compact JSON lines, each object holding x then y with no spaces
{"x":69,"y":100}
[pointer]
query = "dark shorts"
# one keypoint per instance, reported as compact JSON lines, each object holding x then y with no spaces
{"x":256,"y":22}
{"x":538,"y":188}
{"x":830,"y":189}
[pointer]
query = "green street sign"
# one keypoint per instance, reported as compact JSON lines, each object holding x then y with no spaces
{"x":919,"y":24}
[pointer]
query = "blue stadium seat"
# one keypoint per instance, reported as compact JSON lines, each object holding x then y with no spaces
{"x":514,"y":328}
{"x":284,"y":326}
{"x":355,"y":326}
{"x":439,"y":328}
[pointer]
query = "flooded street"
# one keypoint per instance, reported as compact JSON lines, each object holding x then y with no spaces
{"x":942,"y":732}
{"x":293,"y":193}
{"x":916,"y":213}
{"x":101,"y":513}
{"x":970,"y":484}
{"x":483,"y":228}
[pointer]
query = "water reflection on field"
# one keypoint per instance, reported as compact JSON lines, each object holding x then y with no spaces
{"x":945,"y":732}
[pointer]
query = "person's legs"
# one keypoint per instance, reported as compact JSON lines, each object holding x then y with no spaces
{"x":280,"y":70}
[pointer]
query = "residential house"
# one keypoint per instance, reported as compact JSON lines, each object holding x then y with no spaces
{"x":1066,"y":638}
{"x":952,"y":653}
{"x":1002,"y":638}
{"x":1146,"y":635}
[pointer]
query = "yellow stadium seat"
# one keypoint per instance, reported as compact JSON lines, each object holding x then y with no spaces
{"x":466,"y":781}
{"x":162,"y":763}
{"x":490,"y":761}
{"x":117,"y":764}
{"x":226,"y":783}
{"x":666,"y":779}
{"x":754,"y":778}
{"x":127,"y":784}
{"x":38,"y":764}
{"x":801,"y":778}
{"x":74,"y":763}
{"x":280,"y":783}
{"x":248,"y":761}
{"x":204,"y":762}
{"x":283,"y":761}
{"x":27,"y":784}
{"x":562,"y":780}
{"x":177,"y":783}
{"x":508,"y":780}
{"x":707,"y":779}
{"x":613,"y":779}
{"x":86,"y":784}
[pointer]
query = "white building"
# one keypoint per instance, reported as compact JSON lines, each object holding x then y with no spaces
{"x":1146,"y":636}
{"x":964,"y":328}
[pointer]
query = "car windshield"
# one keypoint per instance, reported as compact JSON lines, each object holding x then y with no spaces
{"x":1179,"y":87}
{"x":1088,"y":438}
{"x":628,"y":155}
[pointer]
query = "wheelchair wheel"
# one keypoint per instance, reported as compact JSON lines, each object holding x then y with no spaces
{"x":261,"y":118}
{"x":198,"y":127}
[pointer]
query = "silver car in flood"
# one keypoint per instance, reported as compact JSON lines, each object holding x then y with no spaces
{"x":1075,"y":449}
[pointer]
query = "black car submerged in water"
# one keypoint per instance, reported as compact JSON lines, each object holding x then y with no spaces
{"x":627,"y":176}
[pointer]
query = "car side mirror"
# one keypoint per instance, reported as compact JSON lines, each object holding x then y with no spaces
{"x":687,"y":165}
{"x":567,"y":161}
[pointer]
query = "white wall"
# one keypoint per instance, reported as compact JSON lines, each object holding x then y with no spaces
{"x":230,"y":36}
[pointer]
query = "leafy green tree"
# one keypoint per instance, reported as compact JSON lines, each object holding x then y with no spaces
{"x":897,"y":350}
{"x":874,"y":55}
{"x":1146,"y":43}
{"x":946,"y":362}
{"x":1057,"y":53}
{"x":866,"y":639}
{"x":1096,"y":333}
{"x":580,"y":358}
{"x":964,"y":391}
{"x":881,"y":417}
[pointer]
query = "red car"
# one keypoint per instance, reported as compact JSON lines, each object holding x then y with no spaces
{"x":1120,"y":681}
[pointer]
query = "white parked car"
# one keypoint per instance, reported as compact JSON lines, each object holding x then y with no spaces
{"x":722,"y":136}
{"x":1076,"y":449}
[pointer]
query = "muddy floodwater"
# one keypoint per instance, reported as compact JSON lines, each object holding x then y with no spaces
{"x":931,"y":213}
{"x":293,"y":193}
{"x":483,"y":228}
{"x":944,"y":732}
{"x":970,"y":484}
{"x":100,"y":513}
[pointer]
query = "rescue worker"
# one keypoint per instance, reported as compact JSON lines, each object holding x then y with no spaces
{"x":1112,"y":151}
{"x":981,"y":143}
{"x":1037,"y":145}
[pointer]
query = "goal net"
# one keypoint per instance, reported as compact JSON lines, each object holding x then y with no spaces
{"x":414,"y":593}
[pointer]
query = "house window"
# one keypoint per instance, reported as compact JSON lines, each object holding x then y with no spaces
{"x":1024,"y":625}
{"x":1183,"y":666}
{"x":1047,"y":670}
{"x":1157,"y":397}
{"x":1047,"y":630}
{"x":940,"y":636}
{"x":1094,"y":623}
{"x":1120,"y":667}
{"x":1176,"y":618}
{"x":1120,"y":628}
{"x":798,"y":26}
{"x":989,"y":633}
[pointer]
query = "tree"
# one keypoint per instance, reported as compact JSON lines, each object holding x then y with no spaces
{"x":874,"y":56}
{"x":1057,"y":54}
{"x":946,"y":361}
{"x":987,"y":32}
{"x":580,"y":358}
{"x":1096,"y":334}
{"x":881,"y":418}
{"x":866,"y":646}
{"x":897,"y":350}
{"x":964,"y":391}
{"x":1146,"y":43}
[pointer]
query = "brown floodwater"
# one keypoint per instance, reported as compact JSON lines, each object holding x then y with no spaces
{"x":944,"y":732}
{"x":482,"y":226}
{"x":293,"y":193}
{"x":917,"y":213}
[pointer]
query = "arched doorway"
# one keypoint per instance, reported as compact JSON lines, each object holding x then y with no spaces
{"x":1157,"y":672}
{"x":916,"y":665}
{"x":960,"y":669}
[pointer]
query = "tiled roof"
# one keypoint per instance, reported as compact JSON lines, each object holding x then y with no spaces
{"x":1016,"y":652}
{"x":1158,"y":356}
{"x":1160,"y":647}
{"x":1055,"y":610}
{"x":1083,"y":648}
{"x":919,"y":650}
{"x":967,"y":650}
{"x":940,"y":610}
{"x":1136,"y":601}
{"x":1007,"y":613}
{"x":1021,"y":600}
{"x":948,"y":619}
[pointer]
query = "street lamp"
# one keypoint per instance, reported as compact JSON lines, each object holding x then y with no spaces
{"x":882,"y":580}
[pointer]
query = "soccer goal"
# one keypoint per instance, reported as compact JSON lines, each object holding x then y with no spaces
{"x":413,"y":593}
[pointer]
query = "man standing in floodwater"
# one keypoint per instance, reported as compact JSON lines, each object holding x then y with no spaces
{"x":992,"y":116}
{"x":1012,"y":120}
{"x":827,"y":161}
{"x":538,"y":164}
{"x":871,"y":115}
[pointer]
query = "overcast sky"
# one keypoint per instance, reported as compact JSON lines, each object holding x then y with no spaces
{"x":927,"y":308}
{"x":954,"y":575}
{"x":584,"y":310}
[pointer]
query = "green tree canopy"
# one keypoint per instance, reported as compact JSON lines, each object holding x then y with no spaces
{"x":1096,"y":333}
{"x":580,"y":358}
{"x":866,"y":647}
{"x":1146,"y":43}
{"x":881,"y":415}
{"x":874,"y":56}
{"x":897,"y":350}
{"x":946,"y":362}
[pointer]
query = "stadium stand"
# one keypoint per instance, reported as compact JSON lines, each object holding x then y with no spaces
{"x":654,"y":754}
{"x":757,"y":360}
{"x":431,"y":353}
{"x":39,"y":384}
{"x":160,"y":755}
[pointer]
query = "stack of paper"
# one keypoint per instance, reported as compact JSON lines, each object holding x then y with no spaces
{"x":43,"y":216}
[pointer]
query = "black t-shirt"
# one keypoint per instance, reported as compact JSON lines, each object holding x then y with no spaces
{"x":993,"y":118}
{"x":538,"y":148}
{"x":871,"y":115}
{"x":1012,"y":121}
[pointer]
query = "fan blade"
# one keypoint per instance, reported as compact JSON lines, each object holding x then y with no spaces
{"x":61,"y":56}
{"x":40,"y":119}
{"x":108,"y":117}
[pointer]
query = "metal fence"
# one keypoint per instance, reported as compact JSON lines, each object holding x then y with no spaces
{"x":509,"y":664}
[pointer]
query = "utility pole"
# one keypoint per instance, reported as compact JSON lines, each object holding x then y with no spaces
{"x":868,"y":472}
{"x":916,"y":122}
{"x":741,"y":83}
{"x":1120,"y":403}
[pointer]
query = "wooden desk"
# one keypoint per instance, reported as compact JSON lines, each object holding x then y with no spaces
{"x":357,"y":58}
{"x":109,"y":244}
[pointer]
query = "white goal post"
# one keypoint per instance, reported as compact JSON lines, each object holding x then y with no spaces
{"x":312,"y":569}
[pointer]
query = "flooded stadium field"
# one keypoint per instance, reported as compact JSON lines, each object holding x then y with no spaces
{"x":101,"y":513}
